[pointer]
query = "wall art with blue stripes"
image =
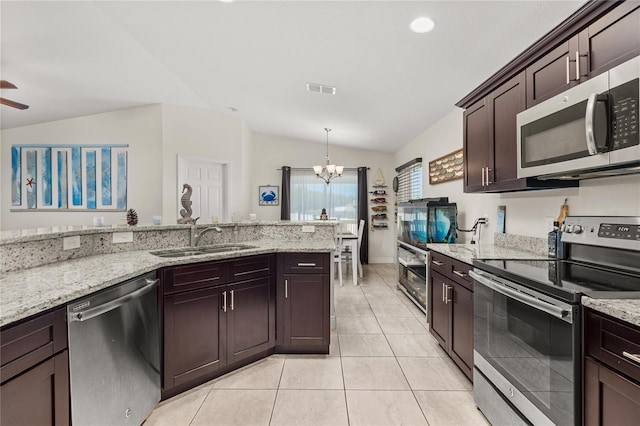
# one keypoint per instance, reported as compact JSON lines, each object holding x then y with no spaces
{"x":69,"y":177}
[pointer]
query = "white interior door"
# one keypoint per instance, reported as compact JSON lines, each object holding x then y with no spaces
{"x":208,"y":179}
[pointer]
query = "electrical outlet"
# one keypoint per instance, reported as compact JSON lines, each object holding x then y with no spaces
{"x":122,"y":237}
{"x":308,"y":228}
{"x":70,"y":243}
{"x":549,"y":222}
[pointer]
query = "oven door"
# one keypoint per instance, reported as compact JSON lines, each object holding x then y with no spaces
{"x":527,"y":345}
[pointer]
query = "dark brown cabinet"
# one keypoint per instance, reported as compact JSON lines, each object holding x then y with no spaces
{"x":606,"y":42}
{"x":451,"y":309}
{"x":304,"y":302}
{"x":35,"y":371}
{"x":219,"y":324}
{"x":611,"y":371}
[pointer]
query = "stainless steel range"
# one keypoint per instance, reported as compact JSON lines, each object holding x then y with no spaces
{"x":527,"y":320}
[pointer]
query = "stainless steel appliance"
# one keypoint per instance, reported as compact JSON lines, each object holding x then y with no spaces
{"x":588,"y":131}
{"x":114,"y":354}
{"x":421,"y":222}
{"x":527,"y":322}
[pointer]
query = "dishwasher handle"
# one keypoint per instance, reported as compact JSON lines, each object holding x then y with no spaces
{"x":113,"y":304}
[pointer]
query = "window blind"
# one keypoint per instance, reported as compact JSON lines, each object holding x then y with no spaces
{"x":409,"y":180}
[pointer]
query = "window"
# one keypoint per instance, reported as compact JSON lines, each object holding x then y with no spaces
{"x":409,"y":180}
{"x":309,"y":195}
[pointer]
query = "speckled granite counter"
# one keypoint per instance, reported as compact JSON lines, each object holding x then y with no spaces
{"x":30,"y":291}
{"x":625,"y":309}
{"x":467,"y":252}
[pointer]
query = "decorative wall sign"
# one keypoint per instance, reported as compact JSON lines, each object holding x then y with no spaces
{"x":446,"y":168}
{"x":269,"y":195}
{"x":69,"y":177}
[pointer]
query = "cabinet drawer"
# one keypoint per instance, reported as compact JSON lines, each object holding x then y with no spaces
{"x":306,"y":263}
{"x":459,"y":272}
{"x":439,"y":263}
{"x":191,"y":277}
{"x":30,"y":342}
{"x":251,"y":267}
{"x":614,"y":343}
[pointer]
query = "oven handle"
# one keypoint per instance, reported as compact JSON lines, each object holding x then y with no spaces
{"x":526,"y":299}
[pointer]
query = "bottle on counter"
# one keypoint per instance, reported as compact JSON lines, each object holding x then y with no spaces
{"x":553,"y":240}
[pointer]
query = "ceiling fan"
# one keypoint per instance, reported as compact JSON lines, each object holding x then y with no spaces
{"x":4,"y":84}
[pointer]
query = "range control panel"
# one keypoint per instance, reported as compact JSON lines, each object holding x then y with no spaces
{"x":604,"y":231}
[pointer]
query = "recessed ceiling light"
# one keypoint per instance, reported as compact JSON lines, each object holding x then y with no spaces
{"x":225,"y":1}
{"x":422,"y":25}
{"x":321,"y":88}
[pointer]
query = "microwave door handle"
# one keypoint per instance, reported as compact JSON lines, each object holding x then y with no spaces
{"x":589,"y":124}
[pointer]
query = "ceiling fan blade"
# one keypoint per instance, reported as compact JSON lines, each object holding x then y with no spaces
{"x":4,"y":84}
{"x":14,"y":104}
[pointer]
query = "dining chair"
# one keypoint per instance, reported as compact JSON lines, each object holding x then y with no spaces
{"x":338,"y":257}
{"x":346,"y":255}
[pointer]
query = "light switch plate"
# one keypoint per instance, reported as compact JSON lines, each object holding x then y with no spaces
{"x":70,"y":243}
{"x":308,"y":228}
{"x":122,"y":237}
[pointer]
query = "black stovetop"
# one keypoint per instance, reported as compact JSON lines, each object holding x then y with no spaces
{"x":566,"y":280}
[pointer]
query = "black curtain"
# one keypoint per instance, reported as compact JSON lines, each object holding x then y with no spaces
{"x":285,"y":194}
{"x":363,"y":214}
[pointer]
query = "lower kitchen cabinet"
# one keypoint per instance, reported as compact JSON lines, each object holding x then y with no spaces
{"x":207,"y":331}
{"x":611,"y":371}
{"x":450,"y":309}
{"x":304,"y":291}
{"x":35,"y":371}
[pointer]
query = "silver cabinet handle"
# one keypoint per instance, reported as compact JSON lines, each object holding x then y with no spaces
{"x":231,"y":292}
{"x":482,"y":176}
{"x":632,"y":357}
{"x":446,"y":293}
{"x":577,"y":65}
{"x":487,"y":171}
{"x":113,"y":304}
{"x":306,"y":264}
{"x":568,"y":73}
{"x":286,"y":289}
{"x":443,"y":290}
{"x":460,"y":274}
{"x":224,"y":301}
{"x":437,"y":262}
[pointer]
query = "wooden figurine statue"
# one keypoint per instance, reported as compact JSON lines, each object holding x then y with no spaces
{"x":185,"y":200}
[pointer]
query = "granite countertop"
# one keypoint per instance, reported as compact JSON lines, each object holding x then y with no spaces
{"x":468,"y":252}
{"x":625,"y":309}
{"x":30,"y":291}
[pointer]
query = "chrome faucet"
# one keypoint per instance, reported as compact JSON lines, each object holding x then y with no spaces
{"x":195,"y":237}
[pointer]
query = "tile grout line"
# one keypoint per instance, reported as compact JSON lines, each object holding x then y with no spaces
{"x":275,"y":399}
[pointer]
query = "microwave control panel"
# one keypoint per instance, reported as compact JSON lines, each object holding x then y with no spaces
{"x":624,"y":109}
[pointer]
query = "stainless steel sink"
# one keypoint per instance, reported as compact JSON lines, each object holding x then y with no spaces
{"x":225,"y":248}
{"x":195,"y":251}
{"x":177,"y":252}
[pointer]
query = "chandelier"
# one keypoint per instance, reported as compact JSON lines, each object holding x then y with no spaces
{"x":328,"y":172}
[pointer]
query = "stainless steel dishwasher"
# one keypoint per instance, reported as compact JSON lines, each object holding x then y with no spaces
{"x":114,"y":354}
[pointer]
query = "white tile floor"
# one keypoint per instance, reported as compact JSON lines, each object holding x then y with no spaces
{"x":384,"y":368}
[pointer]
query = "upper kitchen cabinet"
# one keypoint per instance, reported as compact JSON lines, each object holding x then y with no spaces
{"x":610,"y":40}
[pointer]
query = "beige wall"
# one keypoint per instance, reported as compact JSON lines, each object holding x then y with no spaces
{"x":141,"y":128}
{"x":529,"y":212}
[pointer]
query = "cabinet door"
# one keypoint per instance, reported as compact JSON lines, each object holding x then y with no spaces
{"x":506,"y":101}
{"x":609,"y":399}
{"x":611,"y":40}
{"x":250,"y":318}
{"x":477,"y":145}
{"x":462,"y":328}
{"x":553,"y":73}
{"x":306,"y":310}
{"x":38,"y":397}
{"x":439,"y":314}
{"x":193,"y":346}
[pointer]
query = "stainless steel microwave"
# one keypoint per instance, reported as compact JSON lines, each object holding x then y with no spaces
{"x":590,"y":130}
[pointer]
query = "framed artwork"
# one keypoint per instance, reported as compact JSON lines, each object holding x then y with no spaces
{"x":446,"y":168}
{"x":268,"y":195}
{"x":69,"y":177}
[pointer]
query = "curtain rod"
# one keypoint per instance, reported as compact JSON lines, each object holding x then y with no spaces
{"x":311,"y":168}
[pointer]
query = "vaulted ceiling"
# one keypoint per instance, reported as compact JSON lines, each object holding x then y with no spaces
{"x":74,"y":58}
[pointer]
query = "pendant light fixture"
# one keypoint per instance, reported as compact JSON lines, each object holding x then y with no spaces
{"x":330,"y":171}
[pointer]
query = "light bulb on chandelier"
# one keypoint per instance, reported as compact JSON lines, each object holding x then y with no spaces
{"x":328,"y":172}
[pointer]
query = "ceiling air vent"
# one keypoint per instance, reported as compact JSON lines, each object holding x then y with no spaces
{"x":321,"y":88}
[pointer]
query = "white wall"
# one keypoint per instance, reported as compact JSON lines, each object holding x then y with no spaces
{"x":139,"y":127}
{"x":272,"y":152}
{"x":527,"y":213}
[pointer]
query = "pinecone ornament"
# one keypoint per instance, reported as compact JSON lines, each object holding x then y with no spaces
{"x":132,"y":217}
